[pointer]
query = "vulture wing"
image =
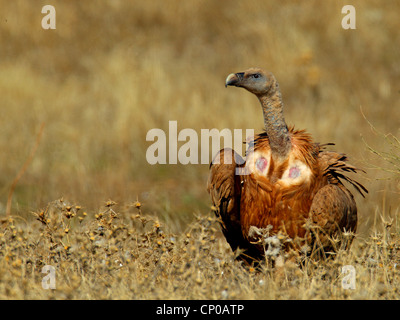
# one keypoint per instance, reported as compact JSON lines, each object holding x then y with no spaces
{"x":224,"y":186}
{"x":333,"y":207}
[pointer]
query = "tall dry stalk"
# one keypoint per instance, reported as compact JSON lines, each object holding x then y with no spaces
{"x":23,"y":169}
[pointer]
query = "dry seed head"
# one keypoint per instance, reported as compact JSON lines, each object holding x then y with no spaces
{"x":374,"y":238}
{"x":69,"y":214}
{"x":348,"y":234}
{"x":110,"y":203}
{"x":388,"y":224}
{"x":335,"y":239}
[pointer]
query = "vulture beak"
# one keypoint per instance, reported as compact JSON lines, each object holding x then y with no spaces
{"x":234,"y":79}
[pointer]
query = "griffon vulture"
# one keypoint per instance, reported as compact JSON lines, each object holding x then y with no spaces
{"x":288,"y":185}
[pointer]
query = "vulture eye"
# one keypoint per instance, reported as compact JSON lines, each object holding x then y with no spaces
{"x":256,"y":75}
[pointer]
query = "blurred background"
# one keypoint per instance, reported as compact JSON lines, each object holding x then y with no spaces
{"x":113,"y":70}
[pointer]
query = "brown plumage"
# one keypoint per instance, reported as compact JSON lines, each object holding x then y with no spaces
{"x":288,"y":185}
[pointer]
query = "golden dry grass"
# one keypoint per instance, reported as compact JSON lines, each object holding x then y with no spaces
{"x":113,"y":70}
{"x":128,"y":254}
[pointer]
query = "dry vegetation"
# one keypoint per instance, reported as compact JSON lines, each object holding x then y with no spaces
{"x":113,"y":70}
{"x":131,"y":255}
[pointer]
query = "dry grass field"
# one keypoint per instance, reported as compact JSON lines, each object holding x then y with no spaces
{"x":113,"y":70}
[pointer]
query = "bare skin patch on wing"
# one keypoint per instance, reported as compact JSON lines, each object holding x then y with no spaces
{"x":296,"y":173}
{"x":258,"y":162}
{"x":261,"y":164}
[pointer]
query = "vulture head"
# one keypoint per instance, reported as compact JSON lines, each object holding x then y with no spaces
{"x":255,"y":80}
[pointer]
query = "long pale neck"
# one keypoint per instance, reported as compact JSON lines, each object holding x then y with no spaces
{"x":274,"y":122}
